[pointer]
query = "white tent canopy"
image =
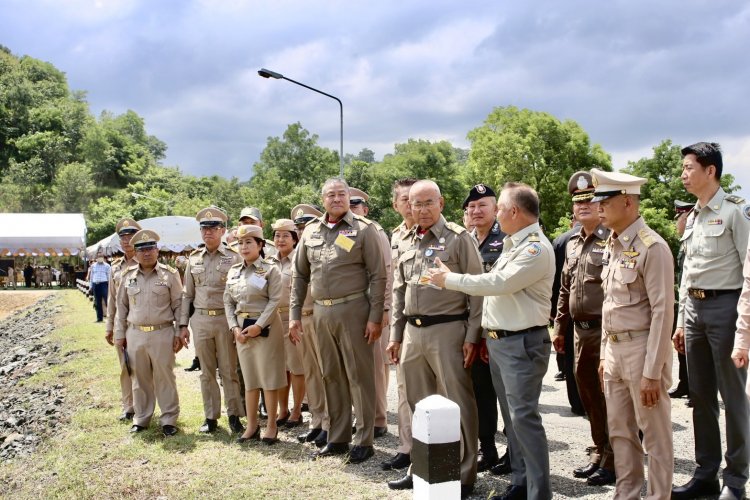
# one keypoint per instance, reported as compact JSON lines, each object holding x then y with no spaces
{"x":42,"y":234}
{"x":176,"y":234}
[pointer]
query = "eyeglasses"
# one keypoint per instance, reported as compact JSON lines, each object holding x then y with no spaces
{"x":208,"y":229}
{"x":420,"y":205}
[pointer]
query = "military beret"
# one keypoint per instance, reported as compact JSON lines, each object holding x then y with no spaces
{"x":252,"y":212}
{"x":126,"y":225}
{"x":211,"y":216}
{"x":144,"y":239}
{"x":610,"y":184}
{"x":477,"y":193}
{"x":249,"y":231}
{"x":283,"y":225}
{"x":581,"y":186}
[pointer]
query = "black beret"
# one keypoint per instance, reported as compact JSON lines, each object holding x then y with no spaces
{"x":477,"y":193}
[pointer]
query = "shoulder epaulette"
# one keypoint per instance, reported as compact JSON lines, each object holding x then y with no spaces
{"x":197,"y":251}
{"x":231,"y":249}
{"x":534,"y":237}
{"x":363,"y":219}
{"x":737,"y":200}
{"x":456,"y":228}
{"x":167,"y":267}
{"x":118,"y":261}
{"x":131,"y":268}
{"x":646,"y":237}
{"x":239,"y":264}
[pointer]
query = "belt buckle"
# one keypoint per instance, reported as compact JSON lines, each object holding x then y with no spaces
{"x":701,"y":294}
{"x":584,"y":325}
{"x":492,"y":334}
{"x":418,"y":322}
{"x":212,"y":312}
{"x":613,"y":338}
{"x":148,"y":328}
{"x":327,"y":302}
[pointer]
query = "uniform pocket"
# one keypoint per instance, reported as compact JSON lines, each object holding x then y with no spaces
{"x":713,"y":243}
{"x":314,"y":250}
{"x":625,"y":289}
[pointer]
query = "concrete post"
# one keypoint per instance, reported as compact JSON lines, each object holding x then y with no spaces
{"x":436,"y":449}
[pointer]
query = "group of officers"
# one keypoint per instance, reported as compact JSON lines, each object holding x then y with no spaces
{"x":464,"y":315}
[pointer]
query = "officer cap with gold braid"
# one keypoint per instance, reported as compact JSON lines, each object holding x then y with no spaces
{"x":610,"y":184}
{"x":144,"y":239}
{"x":303,"y":213}
{"x":581,"y":187}
{"x":127,"y":226}
{"x":211,"y":217}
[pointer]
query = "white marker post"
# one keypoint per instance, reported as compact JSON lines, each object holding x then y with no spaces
{"x":436,"y":449}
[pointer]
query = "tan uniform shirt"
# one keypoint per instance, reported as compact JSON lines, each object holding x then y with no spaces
{"x":385,"y":247}
{"x":581,"y":293}
{"x":638,"y":286}
{"x":518,"y":289}
{"x":456,"y":249}
{"x":339,"y":261}
{"x":253,"y":289}
{"x":715,"y":241}
{"x":115,"y":278}
{"x":286,"y":266}
{"x":742,"y":337}
{"x":148,"y":298}
{"x":205,"y":279}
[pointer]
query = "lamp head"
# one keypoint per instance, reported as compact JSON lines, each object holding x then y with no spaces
{"x":267,"y":73}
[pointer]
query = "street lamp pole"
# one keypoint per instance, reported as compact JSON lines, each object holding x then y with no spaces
{"x":266,"y":73}
{"x":166,"y":204}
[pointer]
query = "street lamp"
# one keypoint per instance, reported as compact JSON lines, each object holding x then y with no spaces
{"x":267,"y":73}
{"x":166,"y":204}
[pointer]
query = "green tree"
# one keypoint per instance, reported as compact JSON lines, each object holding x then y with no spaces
{"x":535,"y":148}
{"x":73,"y":188}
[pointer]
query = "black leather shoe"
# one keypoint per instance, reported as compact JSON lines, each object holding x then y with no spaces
{"x":730,"y":493}
{"x":405,"y":483}
{"x":254,"y":437}
{"x":305,"y":407}
{"x":679,"y":392}
{"x":601,"y":477}
{"x":503,"y":466}
{"x":514,"y":492}
{"x":235,"y":424}
{"x":559,"y":376}
{"x":331,"y":449}
{"x":486,"y":461}
{"x":399,"y":461}
{"x":169,"y":430}
{"x":209,"y":425}
{"x":126,"y":417}
{"x":696,"y":488}
{"x":379,"y":432}
{"x":359,"y":454}
{"x":585,"y":471}
{"x":466,"y":490}
{"x":689,"y":403}
{"x":322,"y":439}
{"x":291,"y":424}
{"x":280,"y":422}
{"x":269,"y":441}
{"x":137,"y":428}
{"x":195,"y":366}
{"x":309,"y":436}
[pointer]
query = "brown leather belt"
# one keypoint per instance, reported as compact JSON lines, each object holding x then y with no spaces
{"x":616,"y":337}
{"x":435,"y":319}
{"x":497,"y":334}
{"x":152,"y":328}
{"x":340,"y":300}
{"x":700,"y":294}
{"x":210,"y":312}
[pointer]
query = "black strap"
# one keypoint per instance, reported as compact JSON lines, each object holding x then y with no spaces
{"x":424,"y":321}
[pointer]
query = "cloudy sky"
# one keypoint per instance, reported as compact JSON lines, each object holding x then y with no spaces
{"x":631,"y":72}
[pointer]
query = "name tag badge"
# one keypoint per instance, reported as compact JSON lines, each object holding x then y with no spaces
{"x":348,"y":232}
{"x":257,"y":281}
{"x":715,"y":222}
{"x":344,"y":243}
{"x":597,"y":250}
{"x":424,"y":280}
{"x":439,"y":248}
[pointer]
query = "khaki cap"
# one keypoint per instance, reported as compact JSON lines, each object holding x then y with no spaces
{"x":304,"y":212}
{"x":610,"y":184}
{"x":581,"y":186}
{"x":249,"y":231}
{"x":127,"y":225}
{"x":143,"y":239}
{"x":357,"y":195}
{"x":211,"y":216}
{"x":283,"y":225}
{"x":252,"y":212}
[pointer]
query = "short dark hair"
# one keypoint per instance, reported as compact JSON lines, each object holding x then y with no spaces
{"x":707,"y":153}
{"x":523,"y":196}
{"x":403,"y":182}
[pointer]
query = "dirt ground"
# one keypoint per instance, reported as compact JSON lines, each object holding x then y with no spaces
{"x":12,"y":300}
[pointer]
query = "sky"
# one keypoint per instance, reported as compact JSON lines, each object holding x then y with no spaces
{"x":631,"y":72}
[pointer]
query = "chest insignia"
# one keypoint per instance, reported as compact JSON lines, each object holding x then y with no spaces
{"x":495,"y":243}
{"x":714,"y":222}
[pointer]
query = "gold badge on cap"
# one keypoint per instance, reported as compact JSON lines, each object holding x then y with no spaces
{"x":300,"y":213}
{"x":144,"y":237}
{"x":208,"y":214}
{"x":581,"y":183}
{"x":125,"y":223}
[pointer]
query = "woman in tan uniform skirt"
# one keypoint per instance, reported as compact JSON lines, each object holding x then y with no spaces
{"x":285,"y":239}
{"x":251,"y":301}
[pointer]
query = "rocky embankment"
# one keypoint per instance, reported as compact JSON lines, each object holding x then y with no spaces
{"x":28,"y":414}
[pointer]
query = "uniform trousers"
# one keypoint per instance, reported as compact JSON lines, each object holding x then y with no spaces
{"x":623,"y":371}
{"x":346,"y":364}
{"x":214,"y":346}
{"x":432,"y":362}
{"x":316,"y":400}
{"x":486,"y":401}
{"x":101,"y":290}
{"x":381,"y":381}
{"x":587,"y":349}
{"x":126,"y":383}
{"x":709,"y":338}
{"x":518,"y":365}
{"x":404,"y":413}
{"x":152,"y":362}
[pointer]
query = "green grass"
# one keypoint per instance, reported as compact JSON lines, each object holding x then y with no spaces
{"x":93,"y":455}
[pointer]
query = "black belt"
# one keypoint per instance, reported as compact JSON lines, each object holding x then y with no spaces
{"x":496,"y":334}
{"x":424,"y":321}
{"x":588,"y":325}
{"x":699,"y":294}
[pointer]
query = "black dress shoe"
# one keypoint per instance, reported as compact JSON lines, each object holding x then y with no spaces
{"x":268,"y":441}
{"x":126,"y":417}
{"x":696,"y":488}
{"x":559,"y":376}
{"x":466,"y":490}
{"x":282,"y":421}
{"x":503,"y":466}
{"x":235,"y":424}
{"x":514,"y":492}
{"x":585,"y":471}
{"x":399,"y":461}
{"x":305,"y":407}
{"x":379,"y":432}
{"x":322,"y":439}
{"x":679,"y":392}
{"x":689,"y":403}
{"x":195,"y":366}
{"x":209,"y":425}
{"x":309,"y":436}
{"x":359,"y":454}
{"x":601,"y":477}
{"x":169,"y":430}
{"x":486,"y":461}
{"x":291,"y":424}
{"x":253,"y":437}
{"x":405,"y":483}
{"x":731,"y":493}
{"x":137,"y":428}
{"x":331,"y":449}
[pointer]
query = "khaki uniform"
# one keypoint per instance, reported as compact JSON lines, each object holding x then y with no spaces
{"x":292,"y":353}
{"x":379,"y":347}
{"x":400,"y":242}
{"x":637,"y":316}
{"x":342,"y":264}
{"x":205,"y":280}
{"x":742,"y":336}
{"x":580,"y":302}
{"x":432,"y":356}
{"x":148,"y":304}
{"x":255,"y":291}
{"x":119,"y":265}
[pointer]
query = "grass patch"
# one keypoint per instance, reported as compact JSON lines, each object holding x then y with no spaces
{"x":93,"y":456}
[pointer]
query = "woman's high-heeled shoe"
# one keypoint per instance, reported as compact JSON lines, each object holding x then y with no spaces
{"x":254,"y":436}
{"x":271,"y":440}
{"x":290,"y":424}
{"x":280,"y":422}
